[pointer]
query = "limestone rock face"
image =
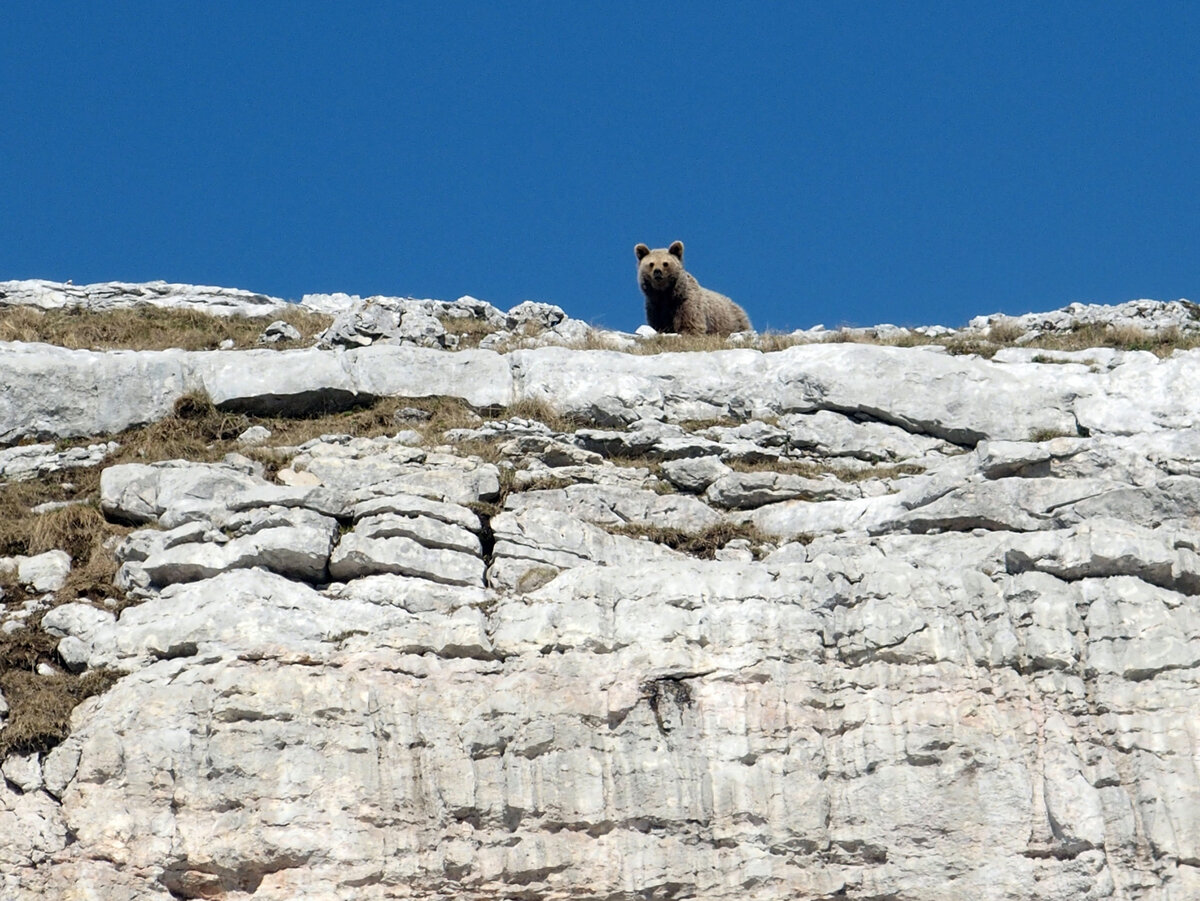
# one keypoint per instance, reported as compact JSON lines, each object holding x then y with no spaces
{"x":47,"y":295}
{"x":913,"y":626}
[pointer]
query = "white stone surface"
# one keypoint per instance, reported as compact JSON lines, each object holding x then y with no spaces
{"x":44,"y":572}
{"x":103,"y":296}
{"x":34,"y":460}
{"x":979,"y":681}
{"x":359,"y":555}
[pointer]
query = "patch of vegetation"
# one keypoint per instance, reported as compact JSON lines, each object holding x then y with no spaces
{"x":541,"y":411}
{"x":1005,"y":332}
{"x":151,"y":328}
{"x":637,"y":461}
{"x":1062,"y":361}
{"x":1040,"y":435}
{"x":197,"y":430}
{"x":658,"y":344}
{"x":695,"y":425}
{"x":1161,"y":342}
{"x":469,"y":331}
{"x":486,"y":450}
{"x":547,"y":483}
{"x":812,"y":470}
{"x":770,"y":342}
{"x":39,"y":707}
{"x":964,"y":345}
{"x":703,"y":543}
{"x":857,"y":336}
{"x":487,"y":509}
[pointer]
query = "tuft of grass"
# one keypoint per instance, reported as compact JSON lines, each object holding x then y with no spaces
{"x":1162,"y":342}
{"x":658,"y":344}
{"x":547,"y":483}
{"x":703,"y":543}
{"x":1040,"y":435}
{"x":770,"y":342}
{"x":1005,"y":332}
{"x":151,"y":328}
{"x":540,"y":410}
{"x":469,"y":331}
{"x":963,"y":345}
{"x":810,"y":470}
{"x":487,"y":451}
{"x":39,"y":707}
{"x":82,"y":531}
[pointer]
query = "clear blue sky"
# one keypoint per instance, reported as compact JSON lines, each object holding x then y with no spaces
{"x":844,"y":163}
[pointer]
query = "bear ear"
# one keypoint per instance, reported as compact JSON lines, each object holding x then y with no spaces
{"x":641,"y":250}
{"x":676,"y":250}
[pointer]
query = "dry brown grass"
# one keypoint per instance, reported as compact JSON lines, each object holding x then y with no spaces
{"x":39,"y":707}
{"x":659,"y":344}
{"x":548,"y":482}
{"x":1040,"y":435}
{"x":487,"y":451}
{"x":1005,"y":332}
{"x":155,"y":328}
{"x":771,"y":342}
{"x":80,"y":529}
{"x":703,"y":543}
{"x":469,"y":331}
{"x":1161,"y":343}
{"x":541,"y":411}
{"x":810,"y":469}
{"x":150,"y":328}
{"x":199,"y":431}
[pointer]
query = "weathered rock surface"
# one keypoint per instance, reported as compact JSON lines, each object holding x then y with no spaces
{"x":32,"y":460}
{"x":957,"y":657}
{"x":124,"y":295}
{"x":1151,"y":315}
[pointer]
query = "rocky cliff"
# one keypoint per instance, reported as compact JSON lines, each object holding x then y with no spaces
{"x":840,"y":620}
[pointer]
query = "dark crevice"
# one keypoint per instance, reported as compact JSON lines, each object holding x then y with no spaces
{"x":967,"y":439}
{"x":304,"y":403}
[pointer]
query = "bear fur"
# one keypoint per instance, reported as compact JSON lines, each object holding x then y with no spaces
{"x":675,"y":302}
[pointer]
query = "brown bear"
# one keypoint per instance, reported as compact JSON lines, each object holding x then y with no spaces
{"x":675,"y":302}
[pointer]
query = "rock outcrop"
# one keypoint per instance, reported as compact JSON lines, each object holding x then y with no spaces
{"x":835,"y":621}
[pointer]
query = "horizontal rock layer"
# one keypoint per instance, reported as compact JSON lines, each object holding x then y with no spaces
{"x":961,"y":399}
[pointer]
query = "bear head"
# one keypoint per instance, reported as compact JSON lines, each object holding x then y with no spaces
{"x":658,"y":270}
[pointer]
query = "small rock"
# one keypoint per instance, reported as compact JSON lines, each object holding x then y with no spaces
{"x":494,"y":340}
{"x":254,"y":436}
{"x":45,"y":572}
{"x":297,"y":479}
{"x":569,"y":331}
{"x":279,"y":331}
{"x":540,"y":315}
{"x":694,"y":474}
{"x":51,"y":506}
{"x":422,"y":329}
{"x":75,"y":653}
{"x":23,"y":771}
{"x":737,"y":550}
{"x":412,"y":414}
